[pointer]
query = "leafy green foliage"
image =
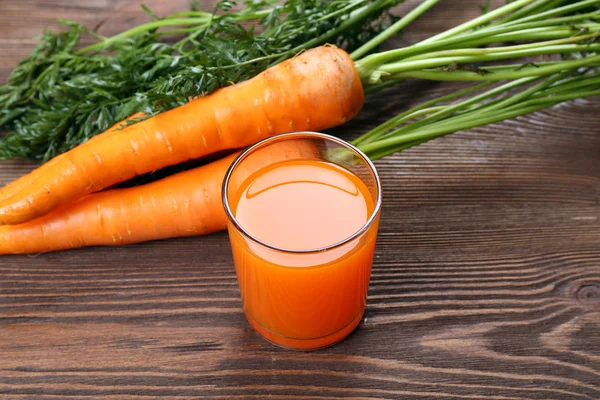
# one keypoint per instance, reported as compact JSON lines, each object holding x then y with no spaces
{"x":60,"y":96}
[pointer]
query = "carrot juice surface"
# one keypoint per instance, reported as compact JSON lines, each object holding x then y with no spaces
{"x":303,"y":204}
{"x":303,"y":299}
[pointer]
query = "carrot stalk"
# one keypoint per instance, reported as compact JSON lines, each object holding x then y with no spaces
{"x":184,"y":204}
{"x":316,"y":90}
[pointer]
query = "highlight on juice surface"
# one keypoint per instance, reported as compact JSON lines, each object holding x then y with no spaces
{"x":303,"y":229}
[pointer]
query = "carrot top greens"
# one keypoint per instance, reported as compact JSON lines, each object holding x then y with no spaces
{"x":565,"y":34}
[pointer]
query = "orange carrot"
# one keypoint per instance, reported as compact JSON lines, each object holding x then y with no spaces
{"x":184,"y":204}
{"x":316,"y":90}
{"x":17,"y":185}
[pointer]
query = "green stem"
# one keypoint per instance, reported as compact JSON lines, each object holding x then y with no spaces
{"x":462,"y":106}
{"x":572,"y":84}
{"x":557,"y":11}
{"x":550,"y":33}
{"x":428,"y":133}
{"x":406,"y":66}
{"x":549,"y":6}
{"x":386,"y":152}
{"x":144,"y":28}
{"x":369,"y":64}
{"x":542,"y":30}
{"x":177,"y":31}
{"x":392,"y":30}
{"x":398,"y":120}
{"x":243,"y":15}
{"x":564,"y":21}
{"x":555,"y":23}
{"x":498,"y":73}
{"x":559,"y":98}
{"x":532,"y":8}
{"x":524,"y":95}
{"x":383,"y":128}
{"x":189,"y":14}
{"x":541,"y":46}
{"x":479,"y":21}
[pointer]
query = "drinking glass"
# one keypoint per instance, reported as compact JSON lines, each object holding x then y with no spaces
{"x":311,"y":298}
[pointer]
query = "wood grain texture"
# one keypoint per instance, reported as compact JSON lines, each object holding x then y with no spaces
{"x":486,"y":283}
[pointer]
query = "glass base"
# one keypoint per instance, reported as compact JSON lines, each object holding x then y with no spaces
{"x":306,"y":344}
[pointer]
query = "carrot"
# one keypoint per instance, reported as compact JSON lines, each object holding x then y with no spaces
{"x":316,"y":90}
{"x":184,"y":204}
{"x":17,"y":185}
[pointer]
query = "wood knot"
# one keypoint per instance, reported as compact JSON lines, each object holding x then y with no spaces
{"x":588,"y":294}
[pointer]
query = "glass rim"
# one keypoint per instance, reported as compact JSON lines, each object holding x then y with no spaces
{"x":299,"y":135}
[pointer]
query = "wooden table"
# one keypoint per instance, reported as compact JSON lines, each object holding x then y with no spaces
{"x":486,"y":282}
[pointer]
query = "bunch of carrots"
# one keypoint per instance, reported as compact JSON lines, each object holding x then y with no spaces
{"x":63,"y":204}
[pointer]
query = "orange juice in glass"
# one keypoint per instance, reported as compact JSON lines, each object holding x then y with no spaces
{"x":303,"y":212}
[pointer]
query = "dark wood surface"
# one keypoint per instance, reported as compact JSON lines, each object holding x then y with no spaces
{"x":486,"y":282}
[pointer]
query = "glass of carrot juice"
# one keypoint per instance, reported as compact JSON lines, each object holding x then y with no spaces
{"x":303,"y":212}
